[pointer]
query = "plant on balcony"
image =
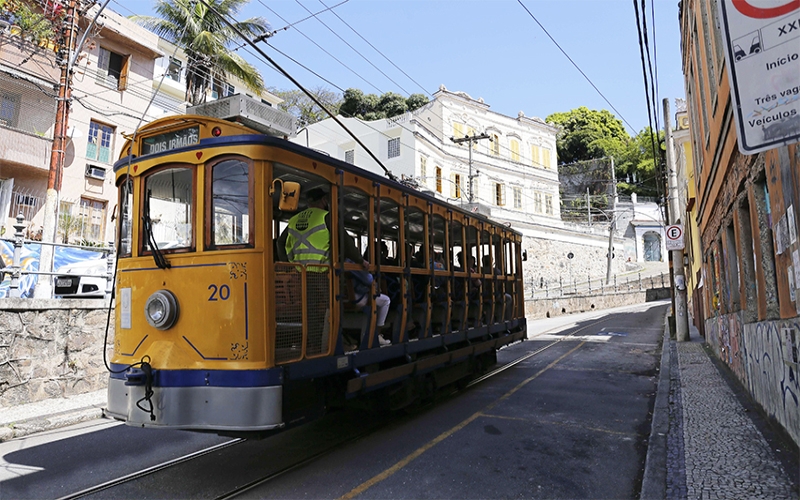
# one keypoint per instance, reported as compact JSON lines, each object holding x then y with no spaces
{"x":30,"y":22}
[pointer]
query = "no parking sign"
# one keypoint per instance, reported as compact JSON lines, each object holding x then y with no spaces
{"x":675,"y":237}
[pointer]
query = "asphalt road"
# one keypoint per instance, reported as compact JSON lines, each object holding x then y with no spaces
{"x":571,"y":421}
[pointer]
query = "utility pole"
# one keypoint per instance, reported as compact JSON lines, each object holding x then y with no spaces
{"x":679,"y":285}
{"x":470,"y":139}
{"x":613,"y":224}
{"x":50,"y":224}
{"x":588,"y":207}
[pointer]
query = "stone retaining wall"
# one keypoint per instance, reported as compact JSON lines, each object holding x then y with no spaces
{"x":51,"y":348}
{"x":558,"y":306}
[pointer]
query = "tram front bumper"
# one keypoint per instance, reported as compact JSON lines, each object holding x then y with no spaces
{"x":197,"y":408}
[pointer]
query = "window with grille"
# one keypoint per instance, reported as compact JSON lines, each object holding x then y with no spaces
{"x":174,"y":69}
{"x":9,"y":109}
{"x":495,"y":144}
{"x":517,"y":197}
{"x":537,"y":203}
{"x":99,"y":144}
{"x":112,"y":69}
{"x":350,"y":156}
{"x":438,"y":179}
{"x":423,"y":169}
{"x":394,"y":147}
{"x":548,"y":204}
{"x":499,"y":194}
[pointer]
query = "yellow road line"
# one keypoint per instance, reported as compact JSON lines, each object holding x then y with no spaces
{"x":441,"y":437}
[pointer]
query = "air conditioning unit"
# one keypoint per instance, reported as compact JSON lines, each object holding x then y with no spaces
{"x":250,"y":113}
{"x":95,"y":172}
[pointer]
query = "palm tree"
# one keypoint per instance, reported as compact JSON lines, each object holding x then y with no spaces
{"x":207,"y":41}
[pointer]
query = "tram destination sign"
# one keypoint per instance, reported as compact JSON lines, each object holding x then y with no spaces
{"x":762,"y":40}
{"x":171,"y":140}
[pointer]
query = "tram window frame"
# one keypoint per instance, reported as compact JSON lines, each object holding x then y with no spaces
{"x":355,"y":207}
{"x":209,"y":222}
{"x":456,"y":243}
{"x":440,"y":240}
{"x":472,"y":250}
{"x":416,"y":241}
{"x":125,"y":213}
{"x":143,"y":243}
{"x":388,"y":216}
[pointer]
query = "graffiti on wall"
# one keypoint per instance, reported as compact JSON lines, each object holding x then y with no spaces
{"x":772,"y":364}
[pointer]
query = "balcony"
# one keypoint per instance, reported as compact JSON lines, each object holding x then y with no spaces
{"x":24,"y":149}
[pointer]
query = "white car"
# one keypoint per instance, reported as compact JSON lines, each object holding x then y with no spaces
{"x":83,"y":279}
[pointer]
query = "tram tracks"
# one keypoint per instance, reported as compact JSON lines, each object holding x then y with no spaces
{"x":336,"y":444}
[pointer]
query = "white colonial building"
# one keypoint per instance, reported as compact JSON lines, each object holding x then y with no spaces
{"x":513,"y":169}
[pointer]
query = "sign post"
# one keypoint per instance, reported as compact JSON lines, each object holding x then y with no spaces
{"x":763,"y":59}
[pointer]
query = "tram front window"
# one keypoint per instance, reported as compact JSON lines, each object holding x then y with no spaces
{"x":168,"y":199}
{"x":125,"y":216}
{"x":230,"y":203}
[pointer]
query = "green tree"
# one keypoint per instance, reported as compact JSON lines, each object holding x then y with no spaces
{"x":297,"y":103}
{"x":586,"y":134}
{"x":638,"y":172}
{"x":207,"y":41}
{"x":371,"y":107}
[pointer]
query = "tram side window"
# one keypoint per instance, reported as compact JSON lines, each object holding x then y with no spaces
{"x":125,"y":216}
{"x":355,"y":207}
{"x":389,"y":220}
{"x":231,"y":203}
{"x":441,"y":257}
{"x":415,"y":236}
{"x":169,"y":206}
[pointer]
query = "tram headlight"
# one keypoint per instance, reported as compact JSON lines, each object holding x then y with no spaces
{"x":161,"y":309}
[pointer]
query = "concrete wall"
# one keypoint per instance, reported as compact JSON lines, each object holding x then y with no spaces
{"x":51,"y":348}
{"x":558,"y":306}
{"x":764,"y":356}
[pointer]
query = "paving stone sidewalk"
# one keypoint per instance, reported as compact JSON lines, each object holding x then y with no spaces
{"x":724,"y":455}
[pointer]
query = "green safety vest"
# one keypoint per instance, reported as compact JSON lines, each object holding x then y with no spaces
{"x":308,"y":240}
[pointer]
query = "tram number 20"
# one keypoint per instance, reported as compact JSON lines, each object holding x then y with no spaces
{"x":221,"y":292}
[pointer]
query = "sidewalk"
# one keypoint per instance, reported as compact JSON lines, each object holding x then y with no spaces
{"x":705,"y":441}
{"x":31,"y":418}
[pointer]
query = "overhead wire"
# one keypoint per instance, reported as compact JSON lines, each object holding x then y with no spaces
{"x":576,"y":65}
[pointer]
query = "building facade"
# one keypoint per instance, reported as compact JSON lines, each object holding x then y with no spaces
{"x":111,"y":87}
{"x":747,"y":226}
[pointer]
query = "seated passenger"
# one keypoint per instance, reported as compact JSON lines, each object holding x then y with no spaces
{"x":363,"y":286}
{"x":507,"y":302}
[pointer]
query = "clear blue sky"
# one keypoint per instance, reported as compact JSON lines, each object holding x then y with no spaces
{"x":491,"y":49}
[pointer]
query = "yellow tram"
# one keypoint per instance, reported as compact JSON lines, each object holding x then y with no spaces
{"x":213,"y":332}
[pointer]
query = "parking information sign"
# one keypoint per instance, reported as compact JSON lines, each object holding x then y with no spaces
{"x":763,"y":56}
{"x":674,"y":237}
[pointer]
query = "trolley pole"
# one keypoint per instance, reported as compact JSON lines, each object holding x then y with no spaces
{"x":679,"y":285}
{"x":470,"y":139}
{"x":66,"y":44}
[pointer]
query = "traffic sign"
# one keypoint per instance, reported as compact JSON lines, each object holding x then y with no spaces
{"x":675,"y":237}
{"x":763,"y":59}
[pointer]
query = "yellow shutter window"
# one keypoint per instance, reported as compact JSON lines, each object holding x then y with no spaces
{"x":514,"y":150}
{"x":458,"y":130}
{"x":546,"y":158}
{"x":535,"y":161}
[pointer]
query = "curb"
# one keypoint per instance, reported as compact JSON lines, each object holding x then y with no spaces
{"x":654,"y":481}
{"x":58,"y":420}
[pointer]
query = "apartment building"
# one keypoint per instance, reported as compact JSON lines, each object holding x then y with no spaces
{"x":746,"y":209}
{"x":111,"y":87}
{"x":513,"y":171}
